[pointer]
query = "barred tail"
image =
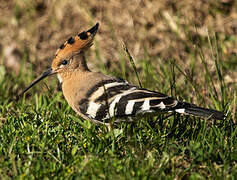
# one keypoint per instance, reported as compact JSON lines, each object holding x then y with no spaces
{"x":194,"y":110}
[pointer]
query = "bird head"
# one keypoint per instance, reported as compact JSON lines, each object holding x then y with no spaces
{"x":69,"y":56}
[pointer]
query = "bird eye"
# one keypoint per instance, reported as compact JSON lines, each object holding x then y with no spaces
{"x":64,"y":62}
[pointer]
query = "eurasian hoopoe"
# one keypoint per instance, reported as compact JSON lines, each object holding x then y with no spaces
{"x":100,"y":98}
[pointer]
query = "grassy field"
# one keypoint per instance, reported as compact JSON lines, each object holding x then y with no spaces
{"x":41,"y":137}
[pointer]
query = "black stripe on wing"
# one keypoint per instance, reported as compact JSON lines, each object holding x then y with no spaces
{"x":137,"y":107}
{"x":83,"y":105}
{"x":101,"y":84}
{"x":137,"y":94}
{"x":169,"y":102}
{"x":102,"y":112}
{"x":113,"y":91}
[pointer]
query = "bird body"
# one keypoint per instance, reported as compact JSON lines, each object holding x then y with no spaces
{"x":100,"y":98}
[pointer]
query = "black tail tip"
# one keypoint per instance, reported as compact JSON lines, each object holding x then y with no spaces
{"x":219,"y":116}
{"x":205,"y":113}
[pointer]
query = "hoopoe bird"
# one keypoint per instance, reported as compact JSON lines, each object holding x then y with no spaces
{"x":101,"y":98}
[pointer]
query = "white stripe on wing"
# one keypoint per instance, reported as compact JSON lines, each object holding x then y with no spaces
{"x":146,"y":105}
{"x":129,"y":107}
{"x":92,"y":109}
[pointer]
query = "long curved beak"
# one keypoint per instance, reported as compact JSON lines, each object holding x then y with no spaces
{"x":44,"y":75}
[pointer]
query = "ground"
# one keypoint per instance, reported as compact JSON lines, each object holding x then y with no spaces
{"x":186,"y":49}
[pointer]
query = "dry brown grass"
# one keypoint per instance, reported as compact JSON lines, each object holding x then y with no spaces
{"x":163,"y":29}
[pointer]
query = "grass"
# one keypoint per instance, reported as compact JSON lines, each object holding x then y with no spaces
{"x":41,"y":137}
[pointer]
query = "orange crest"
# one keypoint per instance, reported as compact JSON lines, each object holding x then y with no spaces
{"x":77,"y":44}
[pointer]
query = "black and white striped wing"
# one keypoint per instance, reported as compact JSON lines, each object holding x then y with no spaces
{"x":117,"y":98}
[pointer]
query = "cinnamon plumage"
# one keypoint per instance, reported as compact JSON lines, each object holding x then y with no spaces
{"x":102,"y":98}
